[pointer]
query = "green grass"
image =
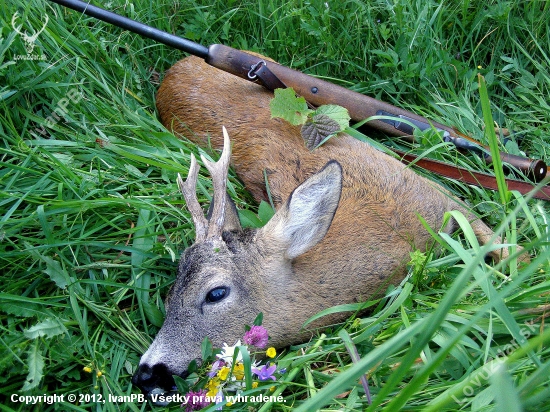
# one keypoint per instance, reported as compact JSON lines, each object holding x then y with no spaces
{"x":92,"y":222}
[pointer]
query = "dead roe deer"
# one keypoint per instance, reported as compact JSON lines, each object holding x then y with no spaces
{"x":346,"y":223}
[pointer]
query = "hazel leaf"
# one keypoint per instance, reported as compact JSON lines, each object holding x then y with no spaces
{"x":287,"y":106}
{"x":337,"y":113}
{"x":317,"y":130}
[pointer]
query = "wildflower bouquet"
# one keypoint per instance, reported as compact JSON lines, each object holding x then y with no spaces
{"x":232,"y":374}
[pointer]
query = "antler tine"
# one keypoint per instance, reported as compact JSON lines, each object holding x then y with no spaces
{"x":189,"y":191}
{"x":17,"y":29}
{"x":43,"y":27}
{"x":218,"y":171}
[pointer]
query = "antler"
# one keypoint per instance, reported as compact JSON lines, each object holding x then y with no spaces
{"x":188,"y":189}
{"x":35,"y":35}
{"x":25,"y":35}
{"x":218,"y":170}
{"x":17,"y":29}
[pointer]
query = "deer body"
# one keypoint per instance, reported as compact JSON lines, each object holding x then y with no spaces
{"x":347,"y":220}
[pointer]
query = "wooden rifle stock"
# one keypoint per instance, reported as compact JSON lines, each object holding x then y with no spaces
{"x":315,"y":91}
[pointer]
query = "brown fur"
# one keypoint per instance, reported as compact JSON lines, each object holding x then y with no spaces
{"x":380,"y":198}
{"x":367,"y":246}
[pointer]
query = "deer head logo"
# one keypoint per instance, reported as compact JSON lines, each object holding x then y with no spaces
{"x":29,"y":40}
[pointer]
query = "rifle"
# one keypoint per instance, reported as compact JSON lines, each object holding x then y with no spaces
{"x":389,"y":119}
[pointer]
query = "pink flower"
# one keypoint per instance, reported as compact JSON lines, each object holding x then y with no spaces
{"x":197,"y":401}
{"x":256,"y":336}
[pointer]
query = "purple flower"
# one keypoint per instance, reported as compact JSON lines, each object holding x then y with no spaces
{"x":216,"y":366}
{"x":256,"y":336}
{"x":264,"y":373}
{"x":196,"y":401}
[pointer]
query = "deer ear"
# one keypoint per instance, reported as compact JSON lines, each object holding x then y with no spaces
{"x":231,"y":220}
{"x":307,"y":214}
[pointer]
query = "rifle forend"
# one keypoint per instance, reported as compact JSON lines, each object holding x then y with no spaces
{"x":360,"y":106}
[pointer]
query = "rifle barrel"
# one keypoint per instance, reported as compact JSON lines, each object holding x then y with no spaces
{"x":136,"y":27}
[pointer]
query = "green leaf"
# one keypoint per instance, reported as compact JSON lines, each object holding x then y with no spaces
{"x":316,"y":131}
{"x":506,"y":394}
{"x":153,"y":314}
{"x":20,"y":309}
{"x":483,"y":398}
{"x":35,"y":364}
{"x":181,"y":384}
{"x":493,"y":141}
{"x":48,"y":328}
{"x":54,"y":270}
{"x":192,"y":368}
{"x":265,"y":212}
{"x":247,"y":365}
{"x":337,"y":113}
{"x":347,"y":307}
{"x":206,"y":348}
{"x":259,"y":319}
{"x":249,"y":219}
{"x":287,"y":106}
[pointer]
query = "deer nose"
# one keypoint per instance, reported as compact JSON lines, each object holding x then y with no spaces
{"x":147,"y":378}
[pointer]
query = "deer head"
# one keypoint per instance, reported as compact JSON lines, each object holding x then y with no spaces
{"x":28,"y":39}
{"x":230,"y":275}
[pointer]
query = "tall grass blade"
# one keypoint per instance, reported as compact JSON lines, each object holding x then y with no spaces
{"x":503,"y":192}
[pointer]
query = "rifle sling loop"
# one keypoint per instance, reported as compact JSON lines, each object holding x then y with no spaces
{"x":266,"y":76}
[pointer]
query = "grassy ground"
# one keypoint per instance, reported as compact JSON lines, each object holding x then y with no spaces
{"x":92,"y":223}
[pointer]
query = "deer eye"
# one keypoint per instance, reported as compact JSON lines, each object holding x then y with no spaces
{"x":217,"y":294}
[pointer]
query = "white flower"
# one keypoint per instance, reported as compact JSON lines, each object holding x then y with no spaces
{"x":228,"y":352}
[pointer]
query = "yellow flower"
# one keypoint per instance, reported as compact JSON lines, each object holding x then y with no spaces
{"x":480,"y":67}
{"x":254,"y":385}
{"x":238,"y":371}
{"x":271,"y":352}
{"x":223,"y":372}
{"x":228,"y":404}
{"x":212,"y":387}
{"x":87,"y":369}
{"x":99,"y":373}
